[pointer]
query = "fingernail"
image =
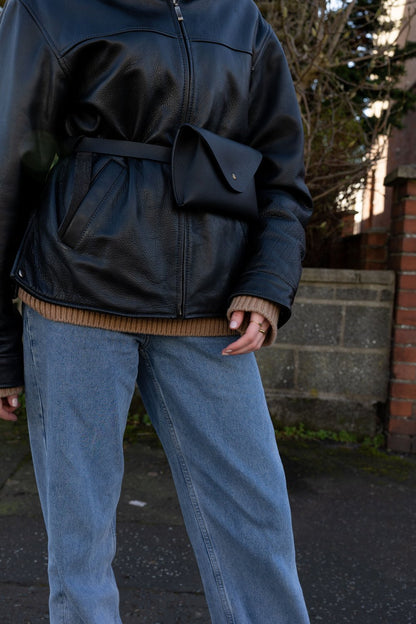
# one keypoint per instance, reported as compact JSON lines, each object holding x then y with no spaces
{"x":233,"y":324}
{"x":15,"y":402}
{"x":227,"y":352}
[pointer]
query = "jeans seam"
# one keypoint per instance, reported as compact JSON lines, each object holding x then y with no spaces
{"x":64,"y":602}
{"x":114,"y":540}
{"x":35,"y":368}
{"x":63,"y":597}
{"x":194,"y":501}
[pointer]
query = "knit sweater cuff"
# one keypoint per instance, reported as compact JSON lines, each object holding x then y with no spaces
{"x":269,"y":310}
{"x":5,"y":392}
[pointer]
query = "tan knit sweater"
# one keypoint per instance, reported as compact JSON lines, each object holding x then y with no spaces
{"x":155,"y":326}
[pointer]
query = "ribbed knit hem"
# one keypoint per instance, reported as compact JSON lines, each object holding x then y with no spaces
{"x":155,"y":326}
{"x":269,"y":310}
{"x":5,"y":392}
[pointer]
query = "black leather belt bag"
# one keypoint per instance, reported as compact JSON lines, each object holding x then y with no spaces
{"x":209,"y":172}
{"x":214,"y":174}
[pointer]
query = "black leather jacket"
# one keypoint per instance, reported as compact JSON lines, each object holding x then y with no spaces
{"x":136,"y":70}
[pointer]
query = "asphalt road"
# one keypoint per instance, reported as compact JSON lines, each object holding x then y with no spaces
{"x":354,"y":516}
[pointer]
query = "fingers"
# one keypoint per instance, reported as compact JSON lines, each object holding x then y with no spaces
{"x":252,"y":339}
{"x":7,"y":407}
{"x":237,"y":318}
{"x":13,"y":401}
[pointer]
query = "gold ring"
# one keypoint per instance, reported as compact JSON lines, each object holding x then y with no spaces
{"x":262,"y":331}
{"x":257,"y":323}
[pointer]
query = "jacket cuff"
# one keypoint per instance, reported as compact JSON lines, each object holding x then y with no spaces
{"x":5,"y":392}
{"x":266,"y":308}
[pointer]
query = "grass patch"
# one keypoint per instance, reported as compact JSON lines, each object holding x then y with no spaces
{"x":306,"y":455}
{"x":300,"y":432}
{"x":15,"y":431}
{"x":139,"y":425}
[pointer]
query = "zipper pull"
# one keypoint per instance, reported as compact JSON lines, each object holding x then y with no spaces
{"x":178,"y":10}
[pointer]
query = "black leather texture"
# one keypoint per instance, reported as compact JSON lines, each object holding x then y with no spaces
{"x":130,"y":70}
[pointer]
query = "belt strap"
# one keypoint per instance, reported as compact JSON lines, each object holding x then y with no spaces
{"x":113,"y":147}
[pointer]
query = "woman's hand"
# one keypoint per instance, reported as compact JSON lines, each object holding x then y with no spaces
{"x":8,"y":405}
{"x":254,"y":336}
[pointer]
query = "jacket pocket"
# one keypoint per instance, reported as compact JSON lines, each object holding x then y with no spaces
{"x":87,"y":202}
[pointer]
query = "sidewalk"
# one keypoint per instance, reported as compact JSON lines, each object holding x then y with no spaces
{"x":354,"y":518}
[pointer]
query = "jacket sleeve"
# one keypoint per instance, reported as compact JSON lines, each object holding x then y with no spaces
{"x":31,"y":85}
{"x":275,"y":129}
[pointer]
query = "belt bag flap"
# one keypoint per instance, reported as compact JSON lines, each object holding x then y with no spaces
{"x":211,"y":173}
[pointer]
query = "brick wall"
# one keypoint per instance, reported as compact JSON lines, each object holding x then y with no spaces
{"x":402,"y":407}
{"x":375,"y":249}
{"x":367,"y":250}
{"x":330,"y":365}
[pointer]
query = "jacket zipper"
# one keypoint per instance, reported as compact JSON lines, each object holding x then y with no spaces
{"x":178,"y":10}
{"x":184,"y":219}
{"x":181,"y":21}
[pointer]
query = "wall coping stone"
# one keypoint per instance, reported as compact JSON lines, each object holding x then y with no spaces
{"x":404,"y":172}
{"x":348,"y":276}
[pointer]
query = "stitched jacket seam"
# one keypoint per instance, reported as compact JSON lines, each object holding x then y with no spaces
{"x":260,"y":51}
{"x":220,"y":43}
{"x":47,"y":38}
{"x":264,"y":272}
{"x":69,"y":48}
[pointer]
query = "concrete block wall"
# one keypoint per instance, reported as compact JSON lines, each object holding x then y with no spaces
{"x":330,"y":366}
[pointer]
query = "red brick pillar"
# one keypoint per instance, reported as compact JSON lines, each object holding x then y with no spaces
{"x":374,"y":249}
{"x":402,"y":259}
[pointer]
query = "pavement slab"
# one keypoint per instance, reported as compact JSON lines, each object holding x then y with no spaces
{"x":354,"y":517}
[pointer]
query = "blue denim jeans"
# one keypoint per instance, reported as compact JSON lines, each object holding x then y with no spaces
{"x":211,"y":416}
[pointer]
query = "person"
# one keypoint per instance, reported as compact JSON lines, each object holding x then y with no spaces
{"x":119,"y":283}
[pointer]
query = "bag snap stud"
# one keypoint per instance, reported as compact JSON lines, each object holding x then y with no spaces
{"x":20,"y":273}
{"x":234,"y":177}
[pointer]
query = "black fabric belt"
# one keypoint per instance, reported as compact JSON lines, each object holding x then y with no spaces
{"x":114,"y":147}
